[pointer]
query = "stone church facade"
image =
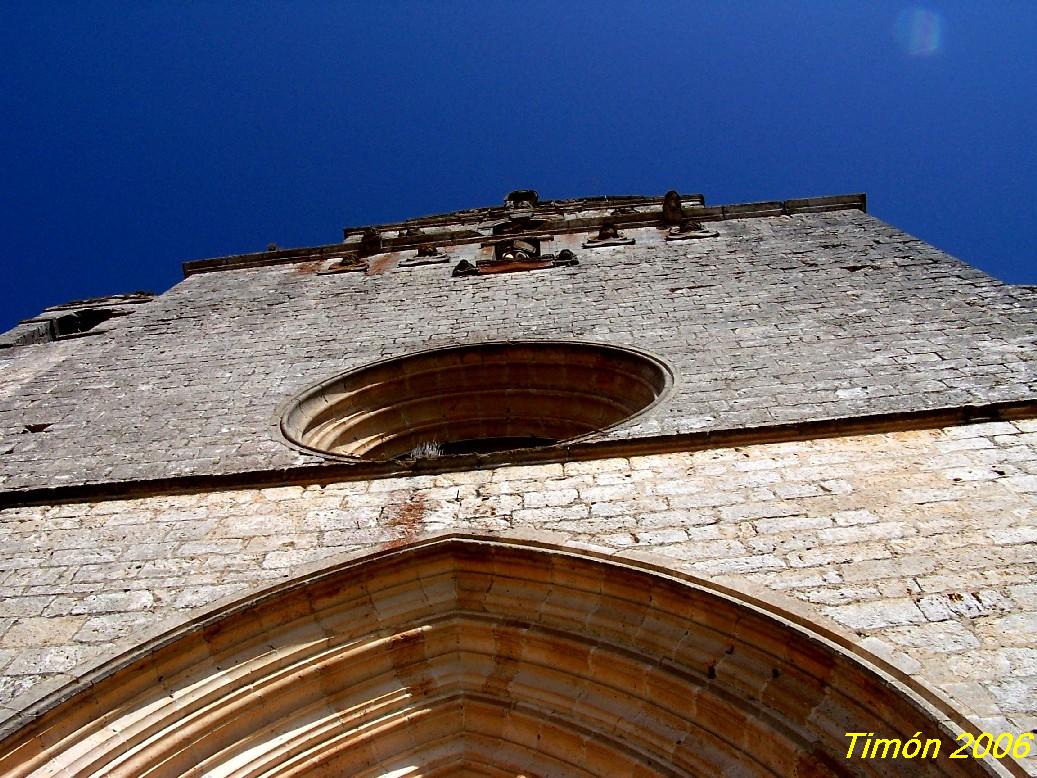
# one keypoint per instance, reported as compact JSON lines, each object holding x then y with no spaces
{"x":608,"y":486}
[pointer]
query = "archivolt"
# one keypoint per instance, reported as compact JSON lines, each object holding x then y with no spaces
{"x":472,"y":656}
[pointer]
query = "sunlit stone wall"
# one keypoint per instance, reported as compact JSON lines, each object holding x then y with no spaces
{"x":922,"y":545}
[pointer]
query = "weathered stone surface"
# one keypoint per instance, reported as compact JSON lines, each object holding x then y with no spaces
{"x":943,"y":580}
{"x":805,"y":317}
{"x":918,"y":546}
{"x":512,"y":655}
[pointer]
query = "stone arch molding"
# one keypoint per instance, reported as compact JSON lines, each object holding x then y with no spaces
{"x":477,"y":656}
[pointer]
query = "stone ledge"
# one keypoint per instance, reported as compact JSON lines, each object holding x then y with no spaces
{"x":694,"y":204}
{"x":584,"y":451}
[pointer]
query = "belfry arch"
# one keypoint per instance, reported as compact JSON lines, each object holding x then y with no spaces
{"x":479,"y":656}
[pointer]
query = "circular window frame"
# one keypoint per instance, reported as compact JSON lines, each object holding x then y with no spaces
{"x":663,"y":391}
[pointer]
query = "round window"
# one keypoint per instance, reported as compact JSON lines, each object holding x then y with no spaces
{"x":475,"y":399}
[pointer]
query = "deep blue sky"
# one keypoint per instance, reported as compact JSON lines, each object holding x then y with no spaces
{"x":138,"y":135}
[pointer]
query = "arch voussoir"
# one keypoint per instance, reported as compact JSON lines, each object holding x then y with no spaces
{"x":473,"y":654}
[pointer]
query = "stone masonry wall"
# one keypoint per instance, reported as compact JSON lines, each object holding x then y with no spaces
{"x":776,"y":320}
{"x":922,"y":544}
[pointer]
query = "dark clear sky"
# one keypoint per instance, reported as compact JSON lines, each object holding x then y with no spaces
{"x":138,"y":135}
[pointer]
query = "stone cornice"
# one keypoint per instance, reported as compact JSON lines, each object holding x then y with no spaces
{"x":553,"y":216}
{"x":335,"y":471}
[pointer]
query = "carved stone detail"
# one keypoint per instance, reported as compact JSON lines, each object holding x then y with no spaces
{"x":608,"y":235}
{"x":522,"y":198}
{"x":689,"y":229}
{"x":516,"y":255}
{"x":427,"y":254}
{"x":350,"y":263}
{"x":673,"y":211}
{"x":370,"y":242}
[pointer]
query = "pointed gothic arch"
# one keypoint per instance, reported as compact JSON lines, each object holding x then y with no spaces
{"x":464,"y":655}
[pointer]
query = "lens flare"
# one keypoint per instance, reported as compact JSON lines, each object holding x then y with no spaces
{"x":919,"y":31}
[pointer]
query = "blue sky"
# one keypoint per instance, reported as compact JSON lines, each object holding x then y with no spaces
{"x":139,"y":135}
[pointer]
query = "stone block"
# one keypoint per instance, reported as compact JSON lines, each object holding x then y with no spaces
{"x":40,"y":631}
{"x":876,"y":614}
